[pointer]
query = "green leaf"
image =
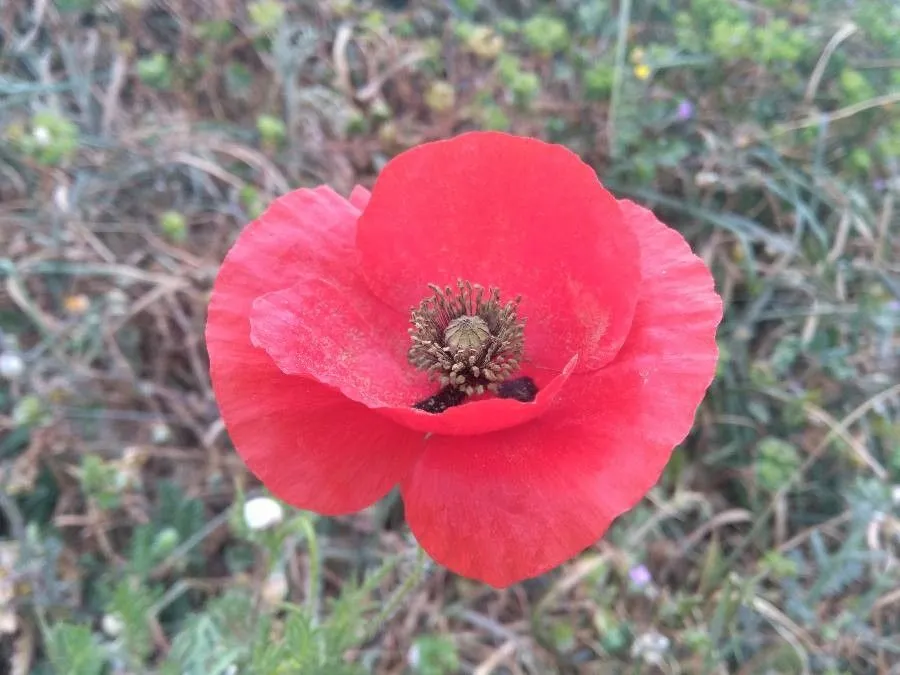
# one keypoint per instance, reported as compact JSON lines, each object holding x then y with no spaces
{"x":435,"y":655}
{"x":132,"y":602}
{"x":74,"y":650}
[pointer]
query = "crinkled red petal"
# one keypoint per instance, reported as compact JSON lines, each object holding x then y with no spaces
{"x":525,"y":216}
{"x":335,"y":331}
{"x":507,"y":506}
{"x":305,"y":441}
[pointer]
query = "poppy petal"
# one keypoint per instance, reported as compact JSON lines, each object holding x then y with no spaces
{"x":310,"y":445}
{"x":507,"y":506}
{"x":335,"y":331}
{"x":527,"y":217}
{"x":359,"y":197}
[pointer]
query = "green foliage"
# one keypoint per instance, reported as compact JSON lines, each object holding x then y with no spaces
{"x":214,"y":31}
{"x":266,"y":15}
{"x":232,"y":631}
{"x":50,"y":138}
{"x":776,"y":463}
{"x":731,"y":33}
{"x":546,"y":34}
{"x":522,"y":85}
{"x":435,"y":655}
{"x":598,"y":81}
{"x":173,"y":225}
{"x":774,"y":42}
{"x":494,"y":118}
{"x":101,"y":481}
{"x":615,"y":635}
{"x":854,"y":86}
{"x":562,"y":636}
{"x":252,"y":201}
{"x":780,"y":566}
{"x":131,"y":604}
{"x":305,"y":648}
{"x":164,"y":542}
{"x":214,"y":642}
{"x":155,"y":71}
{"x":272,"y":130}
{"x":732,"y":39}
{"x":778,"y":41}
{"x":74,"y":650}
{"x":177,"y":519}
{"x":878,"y":21}
{"x":467,"y":6}
{"x":29,"y":411}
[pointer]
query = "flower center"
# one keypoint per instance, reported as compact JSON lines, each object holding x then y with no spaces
{"x":467,"y":340}
{"x":466,"y":332}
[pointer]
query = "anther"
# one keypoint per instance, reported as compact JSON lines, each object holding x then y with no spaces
{"x":466,"y":338}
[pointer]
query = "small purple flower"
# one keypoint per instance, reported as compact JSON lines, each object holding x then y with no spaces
{"x":640,"y":576}
{"x":685,"y":111}
{"x":879,"y":185}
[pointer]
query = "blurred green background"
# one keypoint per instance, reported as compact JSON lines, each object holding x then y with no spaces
{"x":137,"y":137}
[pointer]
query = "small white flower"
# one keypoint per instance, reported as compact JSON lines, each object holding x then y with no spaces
{"x":112,"y":625}
{"x":895,"y":494}
{"x":262,"y":513}
{"x":42,"y":136}
{"x":11,"y":366}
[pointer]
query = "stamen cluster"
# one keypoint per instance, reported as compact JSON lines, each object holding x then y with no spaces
{"x":466,"y":338}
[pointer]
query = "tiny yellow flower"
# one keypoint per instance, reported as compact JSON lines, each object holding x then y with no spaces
{"x":76,"y":304}
{"x":642,"y":71}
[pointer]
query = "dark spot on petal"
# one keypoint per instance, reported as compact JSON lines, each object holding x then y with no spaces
{"x":445,"y":398}
{"x":521,"y":389}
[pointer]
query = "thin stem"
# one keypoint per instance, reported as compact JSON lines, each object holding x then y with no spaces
{"x":312,"y":581}
{"x":395,"y":602}
{"x":618,"y":74}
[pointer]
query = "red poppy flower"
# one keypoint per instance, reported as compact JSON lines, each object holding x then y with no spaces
{"x":515,"y":443}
